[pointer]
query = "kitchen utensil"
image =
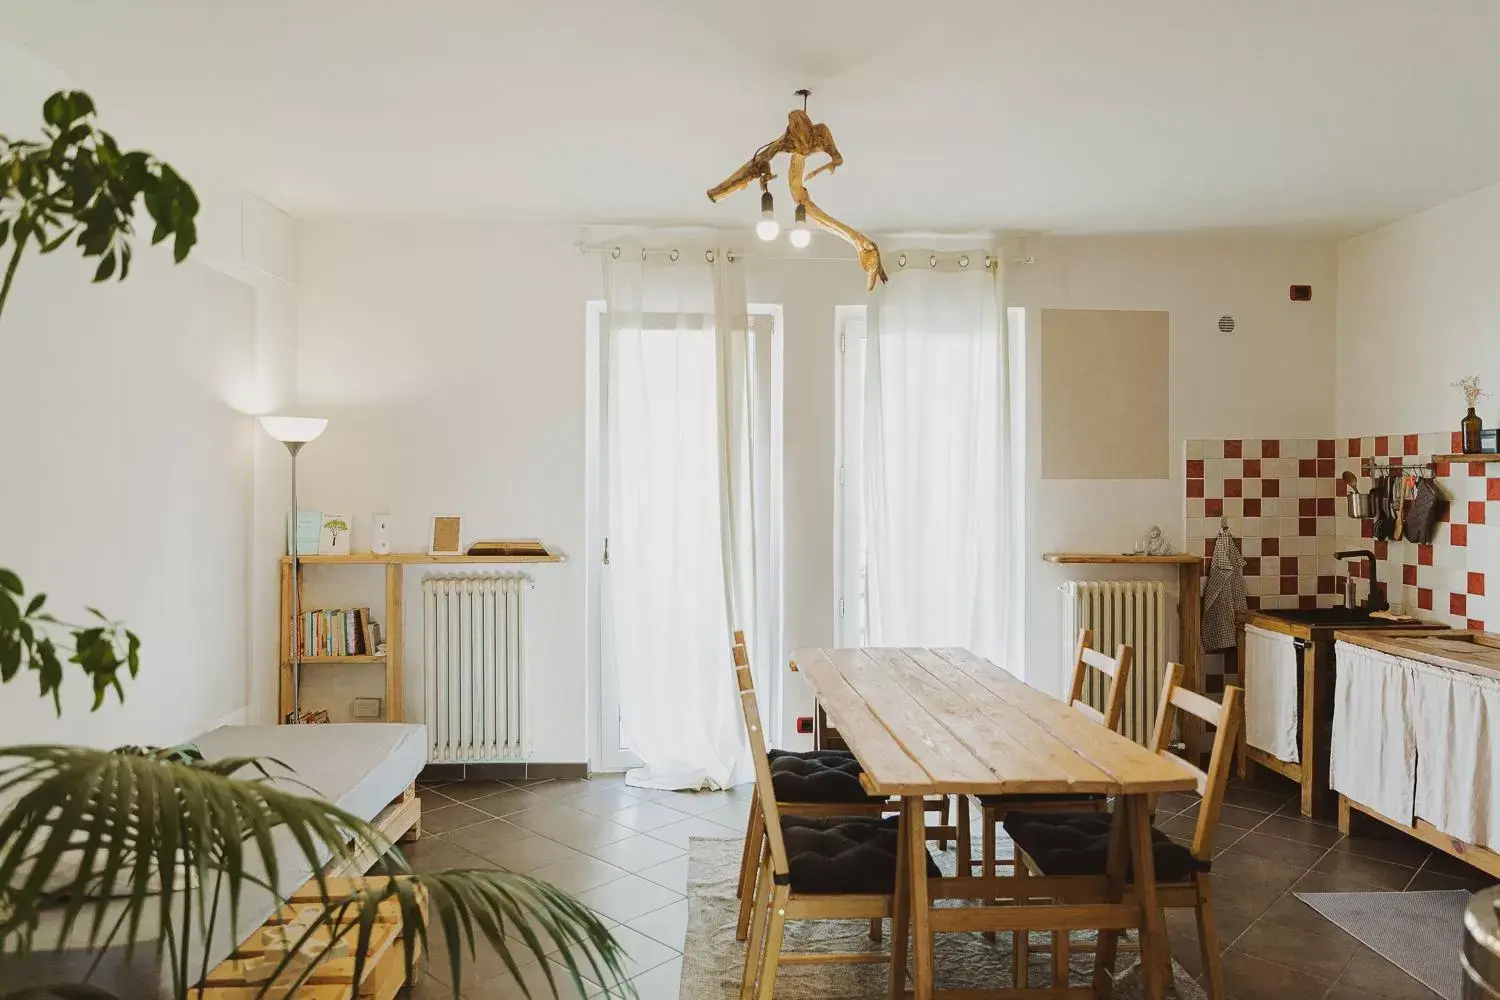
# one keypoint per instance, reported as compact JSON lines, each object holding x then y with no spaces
{"x":1385,"y":517}
{"x":1401,"y":483}
{"x":1361,"y":505}
{"x":1351,"y":482}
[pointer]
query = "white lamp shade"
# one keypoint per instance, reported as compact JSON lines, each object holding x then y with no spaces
{"x":294,"y":429}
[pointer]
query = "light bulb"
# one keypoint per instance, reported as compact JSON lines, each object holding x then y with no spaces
{"x":800,"y":236}
{"x":767,"y":228}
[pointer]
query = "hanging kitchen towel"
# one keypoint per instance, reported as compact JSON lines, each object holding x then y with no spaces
{"x":1270,"y":673}
{"x":1224,"y":597}
{"x":1455,"y":715}
{"x":1422,"y":516}
{"x":1373,"y":754}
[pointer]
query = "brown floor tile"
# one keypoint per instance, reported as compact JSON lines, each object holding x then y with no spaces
{"x":1315,"y":881}
{"x":1238,"y":817}
{"x":1338,"y":992}
{"x":566,"y":825}
{"x":1428,"y":881}
{"x":503,"y":800}
{"x":1294,"y":935}
{"x":463,"y":791}
{"x":1395,"y":848}
{"x":1370,"y":975}
{"x":1302,"y":830}
{"x":487,"y":835}
{"x":1285,"y":852}
{"x":1378,"y":874}
{"x":434,"y":854}
{"x":453,"y":816}
{"x":1249,"y":978}
{"x":1242,"y":901}
{"x":1255,"y":798}
{"x":1172,"y":803}
{"x":1446,"y":864}
{"x":432,"y":796}
{"x":637,"y":852}
{"x":1257,"y":870}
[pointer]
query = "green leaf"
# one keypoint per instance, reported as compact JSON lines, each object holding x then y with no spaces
{"x":187,"y":235}
{"x":65,"y":107}
{"x":4,"y":227}
{"x":9,"y":581}
{"x":106,"y":268}
{"x":36,"y":604}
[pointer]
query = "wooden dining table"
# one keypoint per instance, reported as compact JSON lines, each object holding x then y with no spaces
{"x":926,"y":722}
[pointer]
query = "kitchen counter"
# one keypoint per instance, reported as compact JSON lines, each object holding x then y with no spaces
{"x":1457,"y":649}
{"x":1417,"y":728}
{"x":1315,"y":632}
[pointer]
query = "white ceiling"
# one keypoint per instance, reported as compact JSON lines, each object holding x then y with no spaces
{"x":1060,"y":115}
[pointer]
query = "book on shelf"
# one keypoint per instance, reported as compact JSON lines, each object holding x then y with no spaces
{"x":337,"y":632}
{"x":528,"y":547}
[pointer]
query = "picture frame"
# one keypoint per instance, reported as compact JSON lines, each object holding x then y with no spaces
{"x":334,"y":534}
{"x":446,"y":536}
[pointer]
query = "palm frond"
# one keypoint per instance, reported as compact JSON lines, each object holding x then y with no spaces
{"x":103,"y":849}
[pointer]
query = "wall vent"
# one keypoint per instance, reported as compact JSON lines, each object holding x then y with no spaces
{"x":1226,"y":324}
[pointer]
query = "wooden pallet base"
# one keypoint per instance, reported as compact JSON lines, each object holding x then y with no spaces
{"x":248,"y":972}
{"x":399,"y":821}
{"x":1351,"y":815}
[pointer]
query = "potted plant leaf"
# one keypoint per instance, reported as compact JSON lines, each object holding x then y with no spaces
{"x":146,"y":852}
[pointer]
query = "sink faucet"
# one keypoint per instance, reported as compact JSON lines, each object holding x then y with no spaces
{"x":1377,"y":601}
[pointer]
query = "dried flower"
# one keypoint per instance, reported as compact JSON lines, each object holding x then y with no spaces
{"x":1470,"y":386}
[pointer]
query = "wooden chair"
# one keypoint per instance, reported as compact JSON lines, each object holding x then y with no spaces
{"x":785,"y":890}
{"x":995,"y":807}
{"x":755,"y":832}
{"x":1182,"y":872}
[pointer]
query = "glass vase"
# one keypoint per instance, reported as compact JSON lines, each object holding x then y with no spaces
{"x":1471,"y":426}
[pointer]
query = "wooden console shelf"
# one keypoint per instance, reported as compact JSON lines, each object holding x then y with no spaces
{"x":1112,"y":558}
{"x":1466,"y":458}
{"x":409,"y":558}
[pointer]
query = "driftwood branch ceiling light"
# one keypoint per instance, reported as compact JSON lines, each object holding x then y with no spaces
{"x":801,"y":139}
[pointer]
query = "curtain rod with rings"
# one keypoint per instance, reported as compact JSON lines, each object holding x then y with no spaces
{"x":732,"y":255}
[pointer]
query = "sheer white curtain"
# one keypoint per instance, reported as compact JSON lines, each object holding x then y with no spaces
{"x":674,"y":473}
{"x":937,"y":475}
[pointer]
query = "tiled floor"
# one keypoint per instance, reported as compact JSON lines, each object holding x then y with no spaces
{"x":623,"y":851}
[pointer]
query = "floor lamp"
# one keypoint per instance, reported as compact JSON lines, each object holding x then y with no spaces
{"x":294,"y":432}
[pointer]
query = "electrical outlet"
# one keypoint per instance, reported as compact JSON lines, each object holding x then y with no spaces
{"x":805,"y":725}
{"x":367,"y":708}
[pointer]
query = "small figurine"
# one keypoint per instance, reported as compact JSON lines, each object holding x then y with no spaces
{"x":1153,"y":543}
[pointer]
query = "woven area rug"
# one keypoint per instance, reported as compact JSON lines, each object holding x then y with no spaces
{"x":1421,"y":933}
{"x":713,"y":960}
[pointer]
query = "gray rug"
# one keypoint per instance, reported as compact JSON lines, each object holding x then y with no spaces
{"x":1421,"y":933}
{"x":713,"y":960}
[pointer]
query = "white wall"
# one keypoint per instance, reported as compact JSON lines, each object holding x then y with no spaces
{"x":1419,"y":299}
{"x":128,"y":452}
{"x":449,"y":361}
{"x":1270,"y":379}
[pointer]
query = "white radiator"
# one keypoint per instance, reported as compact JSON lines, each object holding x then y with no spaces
{"x":1129,"y":611}
{"x":473,"y":666}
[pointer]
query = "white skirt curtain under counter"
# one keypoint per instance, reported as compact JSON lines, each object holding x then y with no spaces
{"x":680,"y":512}
{"x":937,"y":462}
{"x":1271,"y":685}
{"x":1374,"y":752}
{"x":1456,"y":715}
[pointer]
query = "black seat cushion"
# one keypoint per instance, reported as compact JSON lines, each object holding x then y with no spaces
{"x":843,"y":854}
{"x":833,"y":755}
{"x":1021,"y":798}
{"x":818,"y":779}
{"x":1078,"y":844}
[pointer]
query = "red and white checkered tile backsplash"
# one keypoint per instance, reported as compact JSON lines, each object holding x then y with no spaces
{"x":1283,"y":502}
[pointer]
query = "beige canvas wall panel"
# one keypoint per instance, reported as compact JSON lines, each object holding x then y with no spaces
{"x":1106,"y":398}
